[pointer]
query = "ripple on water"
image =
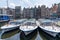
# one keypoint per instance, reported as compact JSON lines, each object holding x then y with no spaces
{"x":15,"y":37}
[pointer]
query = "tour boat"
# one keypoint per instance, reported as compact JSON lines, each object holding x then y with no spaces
{"x":12,"y":25}
{"x":29,"y":26}
{"x":49,"y":27}
{"x":5,"y":17}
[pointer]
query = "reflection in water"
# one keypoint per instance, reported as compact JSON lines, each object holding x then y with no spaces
{"x":46,"y":36}
{"x":42,"y":35}
{"x":38,"y":37}
{"x":1,"y":24}
{"x":18,"y":35}
{"x":9,"y":34}
{"x":33,"y":38}
{"x":32,"y":35}
{"x":22,"y":36}
{"x":14,"y":37}
{"x":0,"y":33}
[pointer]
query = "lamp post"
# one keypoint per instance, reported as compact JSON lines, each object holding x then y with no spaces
{"x":7,"y":3}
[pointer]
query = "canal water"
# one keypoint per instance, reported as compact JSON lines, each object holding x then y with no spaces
{"x":18,"y":35}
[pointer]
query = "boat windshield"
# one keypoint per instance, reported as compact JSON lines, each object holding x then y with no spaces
{"x":47,"y":24}
{"x":30,"y":24}
{"x":15,"y":23}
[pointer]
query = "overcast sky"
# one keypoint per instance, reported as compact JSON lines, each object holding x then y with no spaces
{"x":28,"y":3}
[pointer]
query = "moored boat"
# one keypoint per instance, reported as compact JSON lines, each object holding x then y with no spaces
{"x":5,"y":17}
{"x":29,"y":26}
{"x":49,"y":27}
{"x":12,"y":25}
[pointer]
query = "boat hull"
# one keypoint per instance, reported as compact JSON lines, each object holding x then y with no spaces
{"x":9,"y":29}
{"x":1,"y":21}
{"x":29,"y":36}
{"x":53,"y":34}
{"x":27,"y":33}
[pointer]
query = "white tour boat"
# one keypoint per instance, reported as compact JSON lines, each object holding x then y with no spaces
{"x":49,"y":27}
{"x":29,"y":26}
{"x":12,"y":25}
{"x":5,"y":17}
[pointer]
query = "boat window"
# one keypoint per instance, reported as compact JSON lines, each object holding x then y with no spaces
{"x":30,"y":24}
{"x":47,"y":24}
{"x":12,"y":23}
{"x":15,"y":22}
{"x":18,"y":22}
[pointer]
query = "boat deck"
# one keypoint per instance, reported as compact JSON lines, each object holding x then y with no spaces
{"x":28,"y":25}
{"x":8,"y":26}
{"x":50,"y":25}
{"x":52,"y":28}
{"x":27,"y":28}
